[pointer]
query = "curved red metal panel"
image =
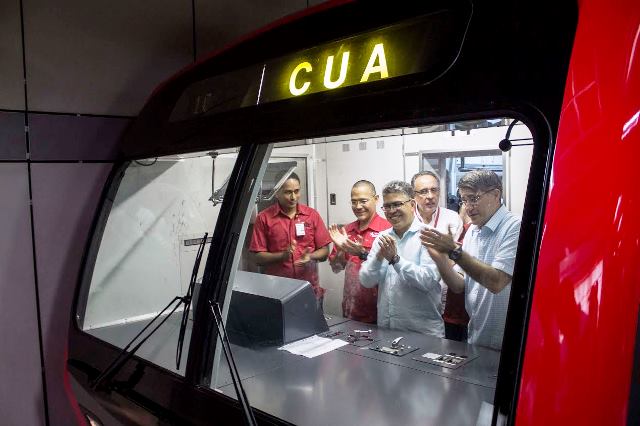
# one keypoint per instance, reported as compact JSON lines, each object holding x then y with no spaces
{"x":582,"y":327}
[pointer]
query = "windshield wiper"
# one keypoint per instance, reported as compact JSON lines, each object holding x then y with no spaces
{"x":124,"y":355}
{"x":187,"y":300}
{"x":235,"y":376}
{"x":117,"y":364}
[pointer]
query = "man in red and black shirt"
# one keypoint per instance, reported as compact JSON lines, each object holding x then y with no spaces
{"x":289,"y":237}
{"x":351,"y":247}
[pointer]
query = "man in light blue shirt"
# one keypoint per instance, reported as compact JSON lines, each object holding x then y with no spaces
{"x":486,"y":258}
{"x":408,"y":279}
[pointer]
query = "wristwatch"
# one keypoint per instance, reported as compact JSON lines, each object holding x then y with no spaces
{"x":455,"y":254}
{"x":395,"y":259}
{"x":364,"y":255}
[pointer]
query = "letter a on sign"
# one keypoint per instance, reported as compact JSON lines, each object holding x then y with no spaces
{"x":377,"y":54}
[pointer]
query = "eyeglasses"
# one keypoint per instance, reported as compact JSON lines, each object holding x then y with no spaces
{"x":391,"y":207}
{"x":473,"y":200}
{"x":361,"y":202}
{"x":426,"y":191}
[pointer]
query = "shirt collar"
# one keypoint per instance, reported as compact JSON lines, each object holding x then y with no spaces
{"x":497,"y":217}
{"x":416,"y":225}
{"x":377,"y":224}
{"x":435,"y":214}
{"x":301,"y":210}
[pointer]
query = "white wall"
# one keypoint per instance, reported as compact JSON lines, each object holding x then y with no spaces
{"x":143,"y":262}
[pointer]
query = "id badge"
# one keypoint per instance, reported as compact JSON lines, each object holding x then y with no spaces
{"x":299,"y":229}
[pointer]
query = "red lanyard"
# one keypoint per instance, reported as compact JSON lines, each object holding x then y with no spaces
{"x":435,"y":222}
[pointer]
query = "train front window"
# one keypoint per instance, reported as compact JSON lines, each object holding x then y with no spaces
{"x":353,"y":285}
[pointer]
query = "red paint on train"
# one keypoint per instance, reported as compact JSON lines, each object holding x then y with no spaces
{"x":582,"y":328}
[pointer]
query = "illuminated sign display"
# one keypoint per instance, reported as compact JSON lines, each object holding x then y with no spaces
{"x":425,"y":45}
{"x":377,"y":65}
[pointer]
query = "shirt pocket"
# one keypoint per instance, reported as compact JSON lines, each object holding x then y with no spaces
{"x":278,"y":237}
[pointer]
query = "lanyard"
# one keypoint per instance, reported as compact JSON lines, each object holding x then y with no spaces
{"x":435,"y":222}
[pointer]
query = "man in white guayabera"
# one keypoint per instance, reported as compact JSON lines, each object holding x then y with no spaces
{"x":407,"y":278}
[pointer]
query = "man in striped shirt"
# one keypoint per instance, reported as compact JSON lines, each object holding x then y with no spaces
{"x":486,"y":259}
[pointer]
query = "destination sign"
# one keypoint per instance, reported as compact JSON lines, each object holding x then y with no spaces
{"x":428,"y":44}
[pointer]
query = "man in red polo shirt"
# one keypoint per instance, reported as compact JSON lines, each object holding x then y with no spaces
{"x":289,"y":237}
{"x":351,"y":247}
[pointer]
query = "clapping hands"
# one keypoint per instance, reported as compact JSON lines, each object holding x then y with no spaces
{"x":388,"y":248}
{"x":343,"y":243}
{"x":304,"y":259}
{"x":438,"y":244}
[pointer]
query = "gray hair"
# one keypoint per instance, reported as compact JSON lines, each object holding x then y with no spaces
{"x":425,"y":173}
{"x":480,"y":180}
{"x":398,"y":187}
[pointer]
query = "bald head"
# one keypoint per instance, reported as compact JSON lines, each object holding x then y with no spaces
{"x":365,"y":185}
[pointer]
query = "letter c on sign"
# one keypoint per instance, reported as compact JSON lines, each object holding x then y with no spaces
{"x":295,"y":91}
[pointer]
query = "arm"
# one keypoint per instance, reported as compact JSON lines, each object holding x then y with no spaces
{"x":451,"y":277}
{"x":320,"y":255}
{"x":264,"y":258}
{"x":491,"y":278}
{"x":496,"y":276}
{"x":260,"y":254}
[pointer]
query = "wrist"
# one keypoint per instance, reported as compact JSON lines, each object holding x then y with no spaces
{"x":456,"y":253}
{"x":394,"y":259}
